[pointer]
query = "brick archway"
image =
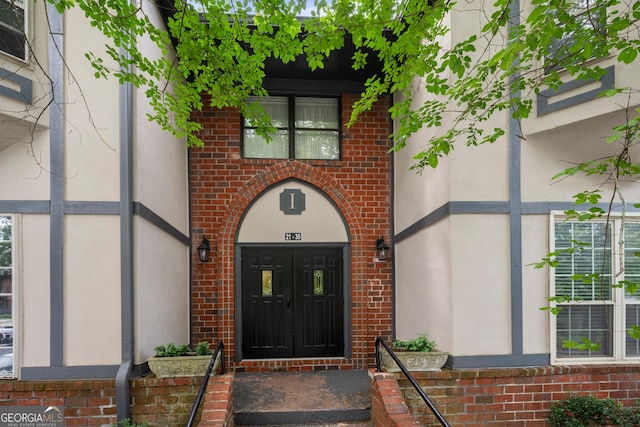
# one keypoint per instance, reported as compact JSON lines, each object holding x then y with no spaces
{"x":252,"y":189}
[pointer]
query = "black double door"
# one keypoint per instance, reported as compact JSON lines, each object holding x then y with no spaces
{"x":292,"y":302}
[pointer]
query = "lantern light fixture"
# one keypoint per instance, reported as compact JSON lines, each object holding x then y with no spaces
{"x":382,"y":249}
{"x":203,"y":250}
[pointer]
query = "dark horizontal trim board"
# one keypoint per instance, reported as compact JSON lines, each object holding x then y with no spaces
{"x":475,"y":208}
{"x":91,"y":208}
{"x":500,"y":361}
{"x":68,"y":372}
{"x":34,"y":207}
{"x":74,"y":207}
{"x":452,"y":208}
{"x":545,"y":208}
{"x":312,"y":87}
{"x":77,"y":372}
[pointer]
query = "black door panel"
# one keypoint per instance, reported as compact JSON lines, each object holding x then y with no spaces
{"x":319,"y":317}
{"x":266,"y":291}
{"x":292,"y":302}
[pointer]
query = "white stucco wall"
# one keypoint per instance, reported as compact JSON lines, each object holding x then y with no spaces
{"x":548,"y":153}
{"x":424,"y":291}
{"x":451,"y":280}
{"x":319,"y":222}
{"x":416,"y":194}
{"x":161,"y":261}
{"x":23,"y":176}
{"x":160,"y":160}
{"x":161,"y":296}
{"x":33,"y":291}
{"x":535,"y":284}
{"x":91,"y":117}
{"x":92,"y":290}
{"x":481,"y":285}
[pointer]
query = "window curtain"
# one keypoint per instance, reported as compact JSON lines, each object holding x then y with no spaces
{"x":317,"y":125}
{"x":254,"y":145}
{"x":316,"y":129}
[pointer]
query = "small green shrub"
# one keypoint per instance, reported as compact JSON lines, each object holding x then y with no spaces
{"x":591,"y":411}
{"x":202,"y":349}
{"x":422,"y":343}
{"x":171,"y":350}
{"x":127,"y":423}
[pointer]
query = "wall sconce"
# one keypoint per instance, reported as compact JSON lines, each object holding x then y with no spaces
{"x":203,"y":250}
{"x":382,"y":249}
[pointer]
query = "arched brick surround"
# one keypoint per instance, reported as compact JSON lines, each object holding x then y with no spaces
{"x":226,"y":239}
{"x":223,"y":186}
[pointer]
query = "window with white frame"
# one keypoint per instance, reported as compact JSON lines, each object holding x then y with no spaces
{"x":596,"y":261}
{"x":6,"y":295}
{"x":13,"y":25}
{"x":306,"y":128}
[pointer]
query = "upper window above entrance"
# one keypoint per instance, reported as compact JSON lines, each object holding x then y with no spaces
{"x":307,"y":128}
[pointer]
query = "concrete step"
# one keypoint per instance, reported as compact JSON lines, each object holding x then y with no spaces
{"x":356,"y":424}
{"x":293,"y":399}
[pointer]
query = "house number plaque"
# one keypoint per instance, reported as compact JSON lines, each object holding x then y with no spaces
{"x":292,"y":236}
{"x":292,"y":201}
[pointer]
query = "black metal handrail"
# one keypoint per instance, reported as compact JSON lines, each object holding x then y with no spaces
{"x":218,"y":350}
{"x":412,"y":380}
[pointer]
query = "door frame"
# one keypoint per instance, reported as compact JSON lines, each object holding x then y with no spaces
{"x":346,"y":290}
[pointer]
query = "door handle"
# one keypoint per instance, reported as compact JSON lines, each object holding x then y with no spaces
{"x":287,"y":298}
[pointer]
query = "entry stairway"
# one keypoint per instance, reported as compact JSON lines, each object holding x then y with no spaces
{"x":316,"y":398}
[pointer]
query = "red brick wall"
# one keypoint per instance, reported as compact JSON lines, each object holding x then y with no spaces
{"x":161,"y":402}
{"x":217,"y":410}
{"x":388,"y":406}
{"x":222,"y":187}
{"x":518,"y":397}
{"x":514,"y":397}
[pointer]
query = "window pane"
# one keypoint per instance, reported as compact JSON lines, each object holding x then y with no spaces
{"x":5,"y":242}
{"x":267,"y":283}
{"x":632,"y":318}
{"x":317,"y":113}
{"x":318,"y":282}
{"x":632,"y":257}
{"x":575,"y":322}
{"x":12,"y":39}
{"x":316,"y":129}
{"x":591,"y":254}
{"x":317,"y":145}
{"x":255,"y":146}
{"x":6,"y":292}
{"x":277,"y":107}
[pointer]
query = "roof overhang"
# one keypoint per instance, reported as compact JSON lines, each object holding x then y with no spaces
{"x":337,"y":75}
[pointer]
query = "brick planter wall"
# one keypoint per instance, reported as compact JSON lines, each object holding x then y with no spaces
{"x":514,"y":397}
{"x":388,"y":406}
{"x":223,"y":186}
{"x":161,"y":402}
{"x":217,"y":410}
